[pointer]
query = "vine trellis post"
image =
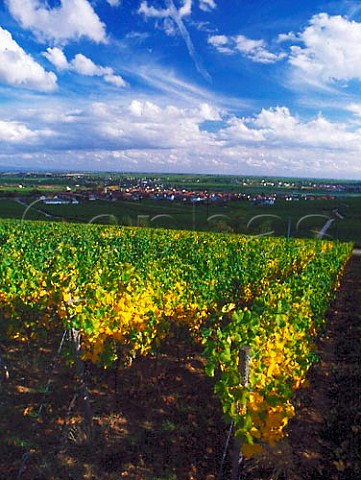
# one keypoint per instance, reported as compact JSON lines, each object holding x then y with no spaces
{"x":75,"y":336}
{"x":243,"y":366}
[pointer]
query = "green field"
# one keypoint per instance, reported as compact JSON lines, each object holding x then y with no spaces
{"x":282,"y":219}
{"x":19,"y":190}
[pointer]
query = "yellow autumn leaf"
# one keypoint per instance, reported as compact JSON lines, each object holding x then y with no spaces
{"x":249,"y":451}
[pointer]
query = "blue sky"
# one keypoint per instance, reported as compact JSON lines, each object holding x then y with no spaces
{"x":246,"y":87}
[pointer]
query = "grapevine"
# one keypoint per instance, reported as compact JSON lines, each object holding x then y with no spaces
{"x":127,"y":289}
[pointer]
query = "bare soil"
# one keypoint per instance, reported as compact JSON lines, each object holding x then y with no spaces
{"x":159,"y":419}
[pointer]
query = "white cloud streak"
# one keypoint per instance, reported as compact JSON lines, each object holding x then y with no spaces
{"x":176,"y":15}
{"x":71,"y":20}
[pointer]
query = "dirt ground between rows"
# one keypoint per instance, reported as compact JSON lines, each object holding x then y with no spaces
{"x":159,"y":419}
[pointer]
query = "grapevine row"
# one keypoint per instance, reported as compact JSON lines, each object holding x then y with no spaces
{"x":127,"y":289}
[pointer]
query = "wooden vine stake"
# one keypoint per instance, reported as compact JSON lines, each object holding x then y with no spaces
{"x":243,"y":365}
{"x":4,"y":372}
{"x":79,"y":366}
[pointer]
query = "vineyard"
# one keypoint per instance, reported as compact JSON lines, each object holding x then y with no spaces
{"x":252,"y":307}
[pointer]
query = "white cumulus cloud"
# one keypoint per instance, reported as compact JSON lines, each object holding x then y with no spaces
{"x":255,"y":50}
{"x":114,"y":3}
{"x":15,"y":132}
{"x":146,"y":124}
{"x":57,"y":58}
{"x":18,"y":68}
{"x":71,"y":20}
{"x":330,"y":51}
{"x":115,"y":80}
{"x":207,"y":5}
{"x":355,"y":108}
{"x":83,"y":66}
{"x":221,"y":43}
{"x":278,"y":127}
{"x":153,"y":12}
{"x":136,"y":132}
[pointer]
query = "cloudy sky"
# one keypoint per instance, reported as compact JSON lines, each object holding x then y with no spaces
{"x":209,"y":86}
